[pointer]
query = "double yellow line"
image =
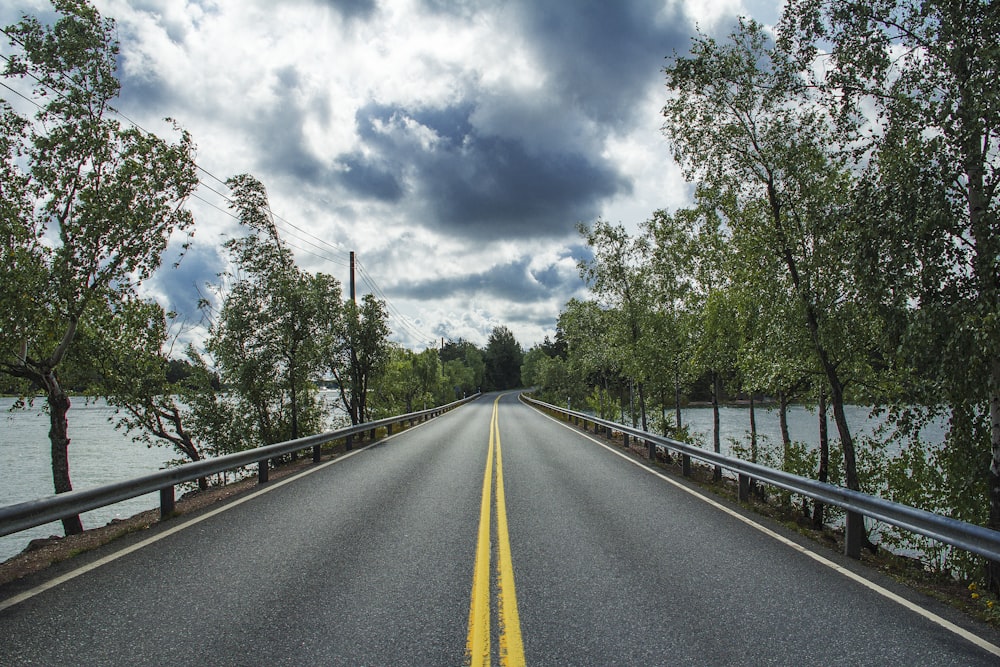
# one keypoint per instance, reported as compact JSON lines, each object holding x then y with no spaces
{"x":477,"y":646}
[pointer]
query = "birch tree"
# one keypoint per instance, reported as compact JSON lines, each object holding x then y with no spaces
{"x":738,"y":122}
{"x":88,"y":204}
{"x":915,"y":85}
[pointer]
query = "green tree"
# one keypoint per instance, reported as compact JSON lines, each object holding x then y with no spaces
{"x":618,"y":276}
{"x":358,"y":353}
{"x":88,"y":205}
{"x":739,"y":118}
{"x":266,"y":337}
{"x":459,"y":378}
{"x":928,"y":69}
{"x":127,"y":352}
{"x":712,"y":298}
{"x":673,"y":243}
{"x":398,"y":387}
{"x":503,"y":360}
{"x":532,"y":371}
{"x":470,"y":356}
{"x":589,"y":346}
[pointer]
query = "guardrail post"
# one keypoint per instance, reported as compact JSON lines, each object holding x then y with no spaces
{"x":744,"y":487}
{"x":625,"y":440}
{"x":854,"y":531}
{"x":651,"y":450}
{"x":167,"y":504}
{"x":388,"y":430}
{"x":262,"y":470}
{"x":350,"y":443}
{"x":317,"y":453}
{"x":373,"y":435}
{"x":686,"y":465}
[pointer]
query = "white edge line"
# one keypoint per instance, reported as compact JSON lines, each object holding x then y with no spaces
{"x":884,"y":592}
{"x":61,"y":579}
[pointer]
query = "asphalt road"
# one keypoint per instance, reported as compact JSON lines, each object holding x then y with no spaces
{"x":369,"y":561}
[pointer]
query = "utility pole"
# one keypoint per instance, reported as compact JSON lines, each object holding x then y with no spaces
{"x":354,"y":294}
{"x":357,"y":415}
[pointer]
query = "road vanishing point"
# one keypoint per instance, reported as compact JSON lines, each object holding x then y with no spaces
{"x":492,"y":535}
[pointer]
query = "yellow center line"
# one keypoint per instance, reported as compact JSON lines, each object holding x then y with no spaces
{"x":477,"y":648}
{"x":511,"y":648}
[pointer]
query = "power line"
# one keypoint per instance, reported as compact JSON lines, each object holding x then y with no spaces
{"x":312,"y":240}
{"x":411,"y":327}
{"x":318,"y":244}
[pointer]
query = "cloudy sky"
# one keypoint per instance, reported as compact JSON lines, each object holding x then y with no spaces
{"x":453,"y":144}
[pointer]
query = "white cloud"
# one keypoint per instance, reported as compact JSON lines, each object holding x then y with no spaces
{"x":453,"y":150}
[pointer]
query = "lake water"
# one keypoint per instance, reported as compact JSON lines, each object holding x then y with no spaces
{"x":98,"y":455}
{"x":101,"y":455}
{"x":803,"y":425}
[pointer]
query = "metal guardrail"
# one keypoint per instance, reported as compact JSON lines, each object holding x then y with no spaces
{"x":976,"y":539}
{"x":21,"y":516}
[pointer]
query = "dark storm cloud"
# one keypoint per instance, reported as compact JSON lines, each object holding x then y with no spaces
{"x":352,"y":9}
{"x":279,"y":134}
{"x":473,"y":184}
{"x":369,"y":180}
{"x":602,"y":55}
{"x":496,"y":187}
{"x":514,"y":281}
{"x":143,"y":91}
{"x":183,"y":282}
{"x":514,"y":164}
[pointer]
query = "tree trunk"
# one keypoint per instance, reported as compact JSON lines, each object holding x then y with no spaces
{"x":666,"y":429}
{"x":824,"y":458}
{"x":621,"y":402}
{"x":631,"y":402}
{"x":993,"y":567}
{"x":786,"y":439}
{"x":59,"y":403}
{"x":844,"y":430}
{"x":716,"y":442}
{"x":642,"y":407}
{"x":982,"y":224}
{"x":677,"y":398}
{"x":601,"y":396}
{"x":663,"y":411}
{"x":812,"y":325}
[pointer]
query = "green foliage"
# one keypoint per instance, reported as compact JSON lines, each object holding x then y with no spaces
{"x":358,"y":352}
{"x":831,"y":251}
{"x":460,"y":378}
{"x":418,"y":380}
{"x":88,"y":205}
{"x":471,"y":358}
{"x":558,"y":384}
{"x":503,"y":358}
{"x":273,"y":319}
{"x":602,"y":403}
{"x":123,"y":350}
{"x":946,"y":478}
{"x":532,"y":370}
{"x":913,"y":85}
